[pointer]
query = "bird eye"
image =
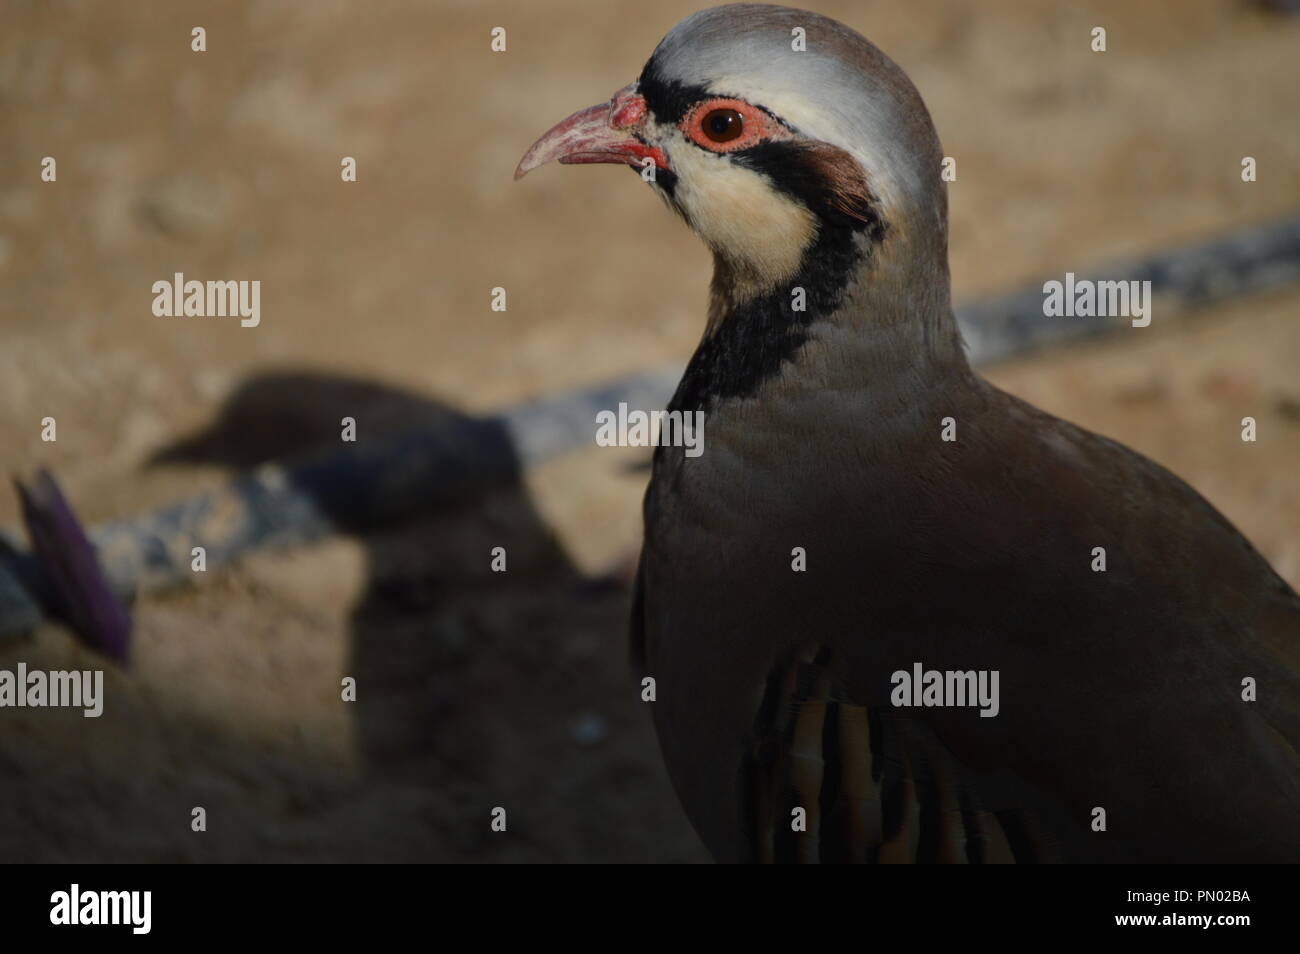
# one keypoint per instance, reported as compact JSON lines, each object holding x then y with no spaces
{"x":722,"y":125}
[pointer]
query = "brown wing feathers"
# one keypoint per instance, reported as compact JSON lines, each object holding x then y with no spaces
{"x":828,"y":780}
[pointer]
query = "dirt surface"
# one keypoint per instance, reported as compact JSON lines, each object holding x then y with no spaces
{"x":479,"y":689}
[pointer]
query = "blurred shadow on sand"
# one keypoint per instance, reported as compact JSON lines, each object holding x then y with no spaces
{"x":428,"y":577}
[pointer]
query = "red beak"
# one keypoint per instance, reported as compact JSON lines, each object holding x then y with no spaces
{"x":604,"y":133}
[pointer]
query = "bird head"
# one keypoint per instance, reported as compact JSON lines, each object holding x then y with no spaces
{"x":770,"y":130}
{"x":806,"y":160}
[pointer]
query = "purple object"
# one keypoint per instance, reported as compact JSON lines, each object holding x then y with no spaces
{"x":78,"y":590}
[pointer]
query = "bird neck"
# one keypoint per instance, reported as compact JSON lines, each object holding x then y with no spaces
{"x":800,"y":407}
{"x":866,"y":312}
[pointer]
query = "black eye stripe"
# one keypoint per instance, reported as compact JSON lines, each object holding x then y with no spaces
{"x":791,"y":168}
{"x":668,"y":100}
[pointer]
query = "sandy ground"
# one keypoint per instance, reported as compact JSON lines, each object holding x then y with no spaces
{"x":479,"y":690}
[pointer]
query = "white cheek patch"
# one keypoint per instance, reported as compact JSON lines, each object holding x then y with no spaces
{"x":739,"y":214}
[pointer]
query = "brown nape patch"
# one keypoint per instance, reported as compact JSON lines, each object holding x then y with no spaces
{"x":824,"y":178}
{"x":848,"y":192}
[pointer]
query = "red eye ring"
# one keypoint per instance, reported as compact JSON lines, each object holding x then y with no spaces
{"x":726,"y":125}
